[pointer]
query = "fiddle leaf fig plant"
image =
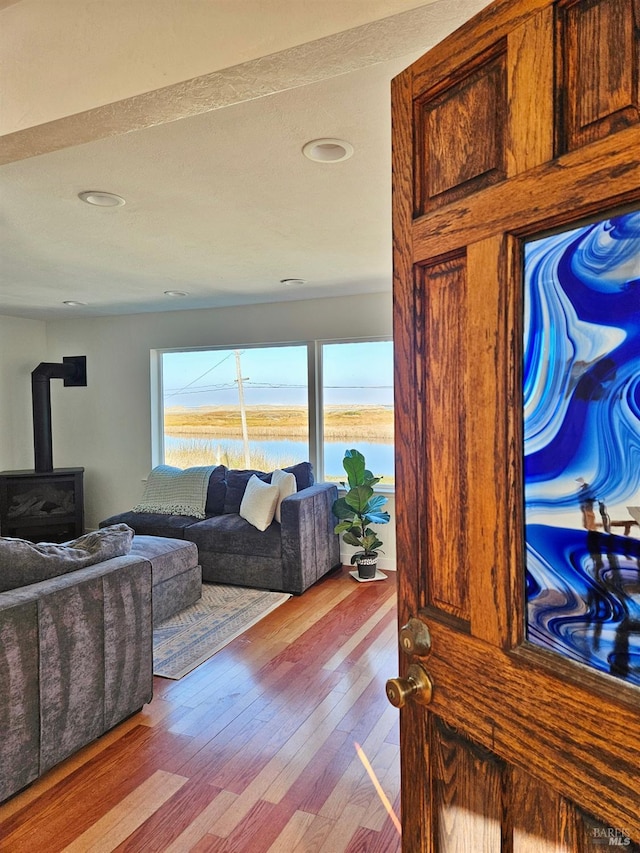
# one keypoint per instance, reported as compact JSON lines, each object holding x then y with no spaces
{"x":359,"y":507}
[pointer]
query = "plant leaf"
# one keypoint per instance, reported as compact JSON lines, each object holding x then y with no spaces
{"x":353,"y":463}
{"x":376,"y":503}
{"x":377,"y":518}
{"x":370,"y":541}
{"x":341,"y":509}
{"x":350,"y":539}
{"x":356,"y":529}
{"x":358,"y":498}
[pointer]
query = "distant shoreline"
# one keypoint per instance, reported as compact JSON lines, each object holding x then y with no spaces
{"x":371,"y":423}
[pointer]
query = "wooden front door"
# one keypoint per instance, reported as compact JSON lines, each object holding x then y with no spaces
{"x":524,"y":120}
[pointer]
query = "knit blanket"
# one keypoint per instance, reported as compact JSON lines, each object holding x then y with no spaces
{"x":174,"y":491}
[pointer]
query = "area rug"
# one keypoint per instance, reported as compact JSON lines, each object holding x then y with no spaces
{"x":186,"y":640}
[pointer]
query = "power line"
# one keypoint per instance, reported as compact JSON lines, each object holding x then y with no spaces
{"x":227,"y":386}
{"x":193,"y":381}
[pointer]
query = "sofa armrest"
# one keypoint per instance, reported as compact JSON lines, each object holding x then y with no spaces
{"x":78,"y":651}
{"x":310,"y":548}
{"x":19,"y":696}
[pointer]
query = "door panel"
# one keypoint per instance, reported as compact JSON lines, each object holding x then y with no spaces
{"x":469,"y":110}
{"x":443,"y":287}
{"x":523,"y":120}
{"x":600,"y":86}
{"x":468,"y":792}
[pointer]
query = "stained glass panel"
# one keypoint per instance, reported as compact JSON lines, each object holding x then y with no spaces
{"x":582,"y":443}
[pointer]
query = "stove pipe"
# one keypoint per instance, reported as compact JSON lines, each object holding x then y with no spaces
{"x":74,"y":372}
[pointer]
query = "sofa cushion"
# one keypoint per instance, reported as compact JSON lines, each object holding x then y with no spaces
{"x":176,"y":491}
{"x":23,"y":563}
{"x":168,"y":557}
{"x":237,"y":482}
{"x":259,"y":503}
{"x":152,"y":523}
{"x":231,"y":534}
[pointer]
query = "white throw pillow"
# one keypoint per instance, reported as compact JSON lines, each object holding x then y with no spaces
{"x":286,"y":484}
{"x":259,"y":503}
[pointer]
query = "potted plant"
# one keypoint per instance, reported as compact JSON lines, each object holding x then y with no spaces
{"x":356,"y":510}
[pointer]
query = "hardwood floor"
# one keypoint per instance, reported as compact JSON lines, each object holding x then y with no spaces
{"x":254,"y":751}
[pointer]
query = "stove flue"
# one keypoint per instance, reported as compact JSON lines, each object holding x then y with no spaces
{"x":73,"y":371}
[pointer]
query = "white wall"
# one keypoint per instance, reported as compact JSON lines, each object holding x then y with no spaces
{"x":106,"y":427}
{"x":23,"y":345}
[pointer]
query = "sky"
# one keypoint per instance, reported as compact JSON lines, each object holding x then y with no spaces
{"x":354,"y":373}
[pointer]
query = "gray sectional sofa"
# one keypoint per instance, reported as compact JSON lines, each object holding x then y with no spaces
{"x":76,"y":642}
{"x":75,"y":659}
{"x":289,"y":556}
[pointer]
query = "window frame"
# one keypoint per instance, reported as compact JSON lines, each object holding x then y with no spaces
{"x":315,"y":395}
{"x":381,"y":487}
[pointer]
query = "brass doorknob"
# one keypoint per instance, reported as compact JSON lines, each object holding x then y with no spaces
{"x":417,"y":684}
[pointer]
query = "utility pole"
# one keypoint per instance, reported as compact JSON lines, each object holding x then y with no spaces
{"x":243,"y":413}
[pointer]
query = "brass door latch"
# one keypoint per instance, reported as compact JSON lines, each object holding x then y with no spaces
{"x":417,"y":684}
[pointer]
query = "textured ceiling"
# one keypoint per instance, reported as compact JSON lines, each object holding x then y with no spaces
{"x":220,"y":201}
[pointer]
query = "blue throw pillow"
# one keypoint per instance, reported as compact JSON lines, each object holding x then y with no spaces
{"x":216,"y":491}
{"x":303,"y":472}
{"x":236,"y":484}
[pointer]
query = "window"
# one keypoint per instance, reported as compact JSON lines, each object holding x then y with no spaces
{"x":257,"y":407}
{"x":244,"y":408}
{"x":357,"y":400}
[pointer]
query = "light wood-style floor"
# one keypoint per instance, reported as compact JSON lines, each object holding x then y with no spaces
{"x":253,"y":751}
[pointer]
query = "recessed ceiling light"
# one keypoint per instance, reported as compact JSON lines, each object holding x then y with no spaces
{"x":328,"y":150}
{"x":73,"y":303}
{"x":292,"y":281}
{"x":176,"y":293}
{"x":101,"y":199}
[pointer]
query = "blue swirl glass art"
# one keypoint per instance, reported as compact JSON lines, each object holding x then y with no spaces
{"x":581,"y":385}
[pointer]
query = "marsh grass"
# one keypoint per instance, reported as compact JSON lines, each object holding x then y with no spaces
{"x":199,"y":451}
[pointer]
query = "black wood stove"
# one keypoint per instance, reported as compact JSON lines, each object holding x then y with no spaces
{"x":42,"y":506}
{"x":45,"y":504}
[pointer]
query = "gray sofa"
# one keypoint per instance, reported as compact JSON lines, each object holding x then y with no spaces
{"x":288,"y":556}
{"x":76,"y":642}
{"x":76,"y":658}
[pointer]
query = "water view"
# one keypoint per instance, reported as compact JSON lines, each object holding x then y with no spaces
{"x":268,"y":454}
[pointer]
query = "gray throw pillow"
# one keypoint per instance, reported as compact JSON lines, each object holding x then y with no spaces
{"x":23,"y":562}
